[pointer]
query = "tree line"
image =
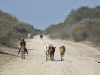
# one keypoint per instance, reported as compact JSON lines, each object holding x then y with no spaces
{"x":12,"y":30}
{"x":81,"y":24}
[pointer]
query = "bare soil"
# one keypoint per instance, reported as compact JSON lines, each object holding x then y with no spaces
{"x":79,"y":59}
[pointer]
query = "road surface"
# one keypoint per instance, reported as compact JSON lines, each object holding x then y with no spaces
{"x":79,"y":59}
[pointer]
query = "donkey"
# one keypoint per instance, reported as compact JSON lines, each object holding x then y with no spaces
{"x":47,"y":48}
{"x":49,"y":51}
{"x":62,"y":52}
{"x":22,"y":50}
{"x":41,"y":36}
{"x":52,"y":51}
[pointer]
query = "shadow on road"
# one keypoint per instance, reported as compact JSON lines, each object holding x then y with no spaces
{"x":1,"y":52}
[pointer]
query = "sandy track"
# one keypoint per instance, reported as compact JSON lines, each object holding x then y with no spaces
{"x":79,"y":60}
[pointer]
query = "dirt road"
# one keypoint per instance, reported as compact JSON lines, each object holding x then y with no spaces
{"x":79,"y":60}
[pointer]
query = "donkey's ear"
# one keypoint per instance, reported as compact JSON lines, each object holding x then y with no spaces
{"x":55,"y":47}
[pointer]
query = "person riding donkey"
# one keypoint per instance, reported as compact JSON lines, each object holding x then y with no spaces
{"x":23,"y":43}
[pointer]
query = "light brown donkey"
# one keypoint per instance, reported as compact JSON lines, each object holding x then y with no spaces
{"x":62,"y":52}
{"x":22,"y":50}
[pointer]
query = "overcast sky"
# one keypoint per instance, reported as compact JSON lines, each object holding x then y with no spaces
{"x":43,"y":13}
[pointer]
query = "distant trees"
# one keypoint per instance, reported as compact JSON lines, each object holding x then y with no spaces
{"x":12,"y":30}
{"x":81,"y":24}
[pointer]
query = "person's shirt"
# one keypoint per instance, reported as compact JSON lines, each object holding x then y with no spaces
{"x":23,"y":42}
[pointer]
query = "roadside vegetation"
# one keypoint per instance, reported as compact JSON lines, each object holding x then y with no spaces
{"x":82,"y":24}
{"x":12,"y":30}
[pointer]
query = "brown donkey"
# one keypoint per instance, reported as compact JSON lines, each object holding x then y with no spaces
{"x":62,"y":52}
{"x":41,"y":36}
{"x":52,"y":53}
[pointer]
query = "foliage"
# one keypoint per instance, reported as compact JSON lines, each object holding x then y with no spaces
{"x":12,"y":30}
{"x":80,"y":25}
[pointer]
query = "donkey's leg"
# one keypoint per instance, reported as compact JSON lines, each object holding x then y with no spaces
{"x":21,"y":55}
{"x":51,"y":57}
{"x":24,"y":55}
{"x":61,"y":57}
{"x":46,"y":57}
